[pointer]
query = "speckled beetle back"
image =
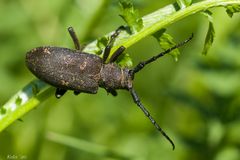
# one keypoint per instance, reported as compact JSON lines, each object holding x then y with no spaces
{"x":65,"y":68}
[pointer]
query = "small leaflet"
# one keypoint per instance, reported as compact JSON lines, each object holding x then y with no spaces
{"x":101,"y":44}
{"x":131,"y":16}
{"x":232,"y":9}
{"x":125,"y":60}
{"x":166,"y":42}
{"x":184,"y":3}
{"x":210,"y":33}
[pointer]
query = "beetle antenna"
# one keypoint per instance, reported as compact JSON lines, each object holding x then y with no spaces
{"x":136,"y":99}
{"x":141,"y":65}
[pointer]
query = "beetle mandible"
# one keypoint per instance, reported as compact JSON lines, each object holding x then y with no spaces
{"x":68,"y":69}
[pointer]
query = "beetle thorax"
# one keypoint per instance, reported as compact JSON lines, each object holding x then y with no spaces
{"x":114,"y":77}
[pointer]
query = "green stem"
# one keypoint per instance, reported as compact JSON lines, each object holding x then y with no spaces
{"x":84,"y":146}
{"x":25,"y":100}
{"x":162,"y":18}
{"x":36,"y":92}
{"x":176,"y":17}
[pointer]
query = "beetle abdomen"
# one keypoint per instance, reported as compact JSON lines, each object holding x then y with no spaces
{"x":65,"y":68}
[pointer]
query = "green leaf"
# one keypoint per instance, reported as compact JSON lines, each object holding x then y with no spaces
{"x":125,"y":60}
{"x":131,"y":16}
{"x":232,"y":9}
{"x":210,"y":33}
{"x":101,"y":44}
{"x":184,"y":3}
{"x":166,"y":42}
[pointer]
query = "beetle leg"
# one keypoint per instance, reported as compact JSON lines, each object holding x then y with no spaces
{"x":116,"y":54}
{"x":112,"y":91}
{"x":60,"y":92}
{"x":76,"y":92}
{"x":74,"y":38}
{"x":107,"y":49}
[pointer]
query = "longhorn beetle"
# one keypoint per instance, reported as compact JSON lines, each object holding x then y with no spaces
{"x":68,"y":69}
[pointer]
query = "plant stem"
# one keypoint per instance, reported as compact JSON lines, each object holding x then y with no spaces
{"x":84,"y":146}
{"x":25,"y":100}
{"x":162,"y":18}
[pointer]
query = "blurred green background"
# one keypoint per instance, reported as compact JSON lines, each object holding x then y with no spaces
{"x":196,"y":100}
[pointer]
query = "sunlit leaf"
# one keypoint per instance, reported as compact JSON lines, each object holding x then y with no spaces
{"x":101,"y":44}
{"x":166,"y":42}
{"x":184,"y":3}
{"x":130,"y":16}
{"x":210,"y":33}
{"x":125,"y":60}
{"x":232,"y":9}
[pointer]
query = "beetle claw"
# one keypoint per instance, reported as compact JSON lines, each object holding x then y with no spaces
{"x":76,"y":92}
{"x":60,"y":92}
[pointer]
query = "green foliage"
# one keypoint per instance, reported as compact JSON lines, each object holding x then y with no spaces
{"x":125,"y":60}
{"x":150,"y":26}
{"x":200,"y":94}
{"x":101,"y":44}
{"x":184,"y":3}
{"x":210,"y":96}
{"x":166,"y":41}
{"x":131,"y":16}
{"x":86,"y":146}
{"x":210,"y":33}
{"x":232,"y":9}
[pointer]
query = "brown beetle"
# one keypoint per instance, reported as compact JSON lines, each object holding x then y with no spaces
{"x":68,"y":69}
